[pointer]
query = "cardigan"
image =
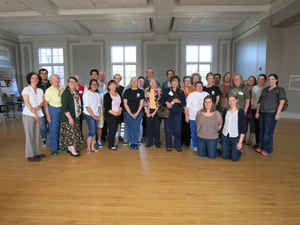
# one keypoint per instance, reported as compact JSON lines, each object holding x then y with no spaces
{"x":167,"y":98}
{"x":68,"y":105}
{"x":242,"y":124}
{"x":157,"y":96}
{"x":108,"y":102}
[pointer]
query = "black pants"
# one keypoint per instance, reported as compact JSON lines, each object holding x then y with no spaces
{"x":185,"y":132}
{"x":257,"y":129}
{"x":112,"y":124}
{"x":144,"y":124}
{"x":153,"y":128}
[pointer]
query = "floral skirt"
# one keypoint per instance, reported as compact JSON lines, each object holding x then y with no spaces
{"x":70,"y":135}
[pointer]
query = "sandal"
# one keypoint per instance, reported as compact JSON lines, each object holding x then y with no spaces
{"x":89,"y":152}
{"x":95,"y":150}
{"x":115,"y":148}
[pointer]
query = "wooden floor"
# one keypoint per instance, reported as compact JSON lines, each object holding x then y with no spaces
{"x":150,"y":186}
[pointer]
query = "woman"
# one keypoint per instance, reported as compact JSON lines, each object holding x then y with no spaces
{"x":211,"y":89}
{"x":133,"y":103}
{"x":256,"y":92}
{"x":117,"y":77}
{"x":234,"y":129}
{"x":34,"y":101}
{"x":113,"y":110}
{"x":80,"y":89}
{"x":195,"y":77}
{"x":92,"y":114}
{"x":249,"y":115}
{"x":194,"y":103}
{"x":167,"y":83}
{"x":185,"y":127}
{"x":208,"y":122}
{"x":71,"y":111}
{"x":53,"y":110}
{"x":240,"y":90}
{"x":151,"y":104}
{"x":174,"y":99}
{"x":223,"y":88}
{"x":269,"y":107}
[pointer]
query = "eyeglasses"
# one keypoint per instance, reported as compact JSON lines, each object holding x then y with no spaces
{"x":94,"y":84}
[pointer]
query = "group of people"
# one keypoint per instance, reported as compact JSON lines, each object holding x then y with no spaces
{"x":197,"y":114}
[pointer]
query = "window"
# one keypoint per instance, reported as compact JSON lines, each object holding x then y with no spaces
{"x":123,"y":60}
{"x":52,"y":59}
{"x":198,"y":60}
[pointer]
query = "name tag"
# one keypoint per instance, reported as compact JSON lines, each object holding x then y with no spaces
{"x":213,"y":93}
{"x":138,"y":95}
{"x":171,"y":93}
{"x":241,"y":93}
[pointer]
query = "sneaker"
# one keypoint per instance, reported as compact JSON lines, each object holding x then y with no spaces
{"x":53,"y":152}
{"x":125,"y":142}
{"x":135,"y":146}
{"x":259,"y":150}
{"x":62,"y":149}
{"x":139,"y":143}
{"x":45,"y":144}
{"x":99,"y":144}
{"x":95,"y":145}
{"x":195,"y":149}
{"x":131,"y":146}
{"x":263,"y":152}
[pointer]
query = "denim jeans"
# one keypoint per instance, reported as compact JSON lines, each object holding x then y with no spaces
{"x":193,"y":127}
{"x":230,"y":143}
{"x":208,"y":147}
{"x":92,"y":125}
{"x":267,"y":124}
{"x":173,"y":126}
{"x":133,"y":126}
{"x":44,"y":126}
{"x":54,"y":127}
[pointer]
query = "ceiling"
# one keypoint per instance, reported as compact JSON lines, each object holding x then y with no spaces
{"x":105,"y":17}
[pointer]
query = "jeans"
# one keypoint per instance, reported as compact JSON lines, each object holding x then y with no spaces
{"x":133,"y":126}
{"x":193,"y":127}
{"x":44,"y":126}
{"x":54,"y":127}
{"x":173,"y":126}
{"x":230,"y":143}
{"x":208,"y":147}
{"x":92,"y":125}
{"x":267,"y":124}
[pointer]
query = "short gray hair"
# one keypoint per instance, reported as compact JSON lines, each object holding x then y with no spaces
{"x":54,"y":75}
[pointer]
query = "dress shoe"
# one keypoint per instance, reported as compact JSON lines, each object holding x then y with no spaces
{"x":179,"y":150}
{"x":169,"y":149}
{"x":157,"y":146}
{"x":40,"y":156}
{"x":148,"y":145}
{"x":33,"y":159}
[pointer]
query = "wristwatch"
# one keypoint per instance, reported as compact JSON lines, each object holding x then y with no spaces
{"x":172,"y":102}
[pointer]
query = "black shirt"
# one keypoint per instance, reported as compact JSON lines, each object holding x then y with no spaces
{"x":213,"y":91}
{"x":133,"y":98}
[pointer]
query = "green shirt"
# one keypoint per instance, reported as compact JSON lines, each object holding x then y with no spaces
{"x":241,"y":93}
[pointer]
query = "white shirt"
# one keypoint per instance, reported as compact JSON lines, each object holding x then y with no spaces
{"x":92,"y":100}
{"x":34,"y":99}
{"x":194,"y":102}
{"x":257,"y":92}
{"x":231,"y":124}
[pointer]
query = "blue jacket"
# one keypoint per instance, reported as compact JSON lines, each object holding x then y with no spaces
{"x":177,"y":108}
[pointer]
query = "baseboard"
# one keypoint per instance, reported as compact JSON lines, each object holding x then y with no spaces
{"x":290,"y":115}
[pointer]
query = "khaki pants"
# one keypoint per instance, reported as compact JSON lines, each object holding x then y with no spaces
{"x":32,"y":136}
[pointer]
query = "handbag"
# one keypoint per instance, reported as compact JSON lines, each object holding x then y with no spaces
{"x":286,"y":103}
{"x":163,"y":112}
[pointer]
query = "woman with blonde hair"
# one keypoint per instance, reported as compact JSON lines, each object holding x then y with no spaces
{"x":195,"y":77}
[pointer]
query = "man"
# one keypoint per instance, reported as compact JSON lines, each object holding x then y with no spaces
{"x":102,"y":82}
{"x":217,"y":79}
{"x":94,"y":74}
{"x":44,"y":84}
{"x":102,"y":126}
{"x":149,"y":74}
{"x":167,"y":84}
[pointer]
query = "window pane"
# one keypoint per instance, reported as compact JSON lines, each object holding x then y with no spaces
{"x":130,"y":54}
{"x":130,"y":71}
{"x":117,"y":54}
{"x":58,"y":55}
{"x":191,"y":53}
{"x":44,"y":55}
{"x":203,"y":70}
{"x":191,"y":68}
{"x":118,"y":69}
{"x":59,"y":70}
{"x":205,"y":53}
